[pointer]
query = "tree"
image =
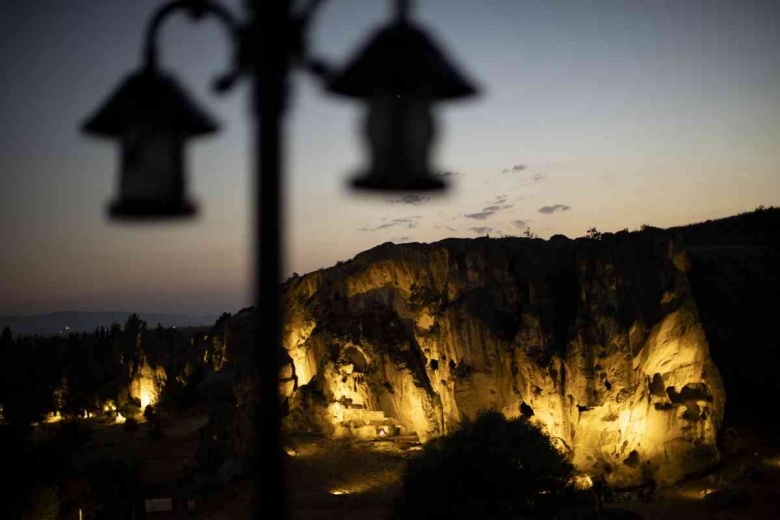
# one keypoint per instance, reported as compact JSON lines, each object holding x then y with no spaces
{"x":529,"y":234}
{"x":6,"y":354}
{"x":134,"y":323}
{"x":490,"y":468}
{"x":593,"y":234}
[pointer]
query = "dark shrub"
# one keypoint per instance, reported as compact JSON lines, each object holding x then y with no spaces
{"x":490,"y":468}
{"x":150,"y":413}
{"x":42,"y":504}
{"x":131,"y":425}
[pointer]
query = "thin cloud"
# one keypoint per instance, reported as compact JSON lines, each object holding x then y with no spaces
{"x":405,"y":222}
{"x":514,"y":169}
{"x":413,"y":198}
{"x":498,"y":208}
{"x":481,"y":230}
{"x":548,"y":210}
{"x":499,"y":204}
{"x":448,"y":173}
{"x":400,"y":239}
{"x":450,"y":228}
{"x":538,"y":177}
{"x":521,"y":224}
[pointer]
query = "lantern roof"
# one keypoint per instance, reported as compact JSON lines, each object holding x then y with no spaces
{"x":401,"y":59}
{"x":154,"y":99}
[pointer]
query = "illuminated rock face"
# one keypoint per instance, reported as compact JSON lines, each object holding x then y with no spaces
{"x":146,"y":384}
{"x":599,"y":340}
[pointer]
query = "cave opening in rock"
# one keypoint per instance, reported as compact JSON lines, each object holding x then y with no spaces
{"x":356,"y":358}
{"x":632,"y":460}
{"x":657,"y":387}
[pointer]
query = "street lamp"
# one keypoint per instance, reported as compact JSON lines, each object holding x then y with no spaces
{"x":400,"y":74}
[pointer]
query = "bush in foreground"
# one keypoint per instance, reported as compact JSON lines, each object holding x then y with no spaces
{"x":490,"y":468}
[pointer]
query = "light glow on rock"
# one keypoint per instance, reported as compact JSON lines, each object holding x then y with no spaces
{"x":773,"y":462}
{"x":146,"y":397}
{"x":147,"y":384}
{"x":582,"y":482}
{"x":53,"y":417}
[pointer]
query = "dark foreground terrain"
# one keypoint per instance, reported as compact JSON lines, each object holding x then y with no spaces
{"x":350,"y":479}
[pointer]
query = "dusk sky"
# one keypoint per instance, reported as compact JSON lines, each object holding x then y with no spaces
{"x":609,"y":113}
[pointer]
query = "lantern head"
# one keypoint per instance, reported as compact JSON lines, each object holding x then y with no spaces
{"x":151,"y":116}
{"x":400,"y":73}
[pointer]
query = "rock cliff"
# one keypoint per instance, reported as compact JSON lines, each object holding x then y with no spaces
{"x":598,"y":340}
{"x":735,"y":280}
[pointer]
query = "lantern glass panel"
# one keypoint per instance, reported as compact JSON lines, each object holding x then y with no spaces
{"x":152,"y":175}
{"x":400,"y":134}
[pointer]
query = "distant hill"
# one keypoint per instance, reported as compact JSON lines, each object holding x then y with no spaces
{"x":80,"y":321}
{"x":759,"y":228}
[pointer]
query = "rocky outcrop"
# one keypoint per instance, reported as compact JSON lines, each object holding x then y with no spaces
{"x":735,"y":280}
{"x":598,"y":340}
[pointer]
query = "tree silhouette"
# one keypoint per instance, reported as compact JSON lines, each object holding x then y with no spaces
{"x":490,"y":468}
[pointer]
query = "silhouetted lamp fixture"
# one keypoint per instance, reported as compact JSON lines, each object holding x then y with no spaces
{"x":400,"y":74}
{"x":152,"y":117}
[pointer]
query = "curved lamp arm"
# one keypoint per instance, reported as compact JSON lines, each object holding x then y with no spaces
{"x":197,"y":9}
{"x":300,"y":49}
{"x":241,"y":61}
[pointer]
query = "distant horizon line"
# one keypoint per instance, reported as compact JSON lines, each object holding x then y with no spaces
{"x":140,"y":313}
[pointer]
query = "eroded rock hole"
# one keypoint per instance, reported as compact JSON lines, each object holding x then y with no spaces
{"x":434,"y":364}
{"x":356,"y":358}
{"x":692,"y":412}
{"x":696,"y":392}
{"x":632,"y":460}
{"x":690,"y":392}
{"x":673,"y":396}
{"x":657,"y":386}
{"x":526,"y":410}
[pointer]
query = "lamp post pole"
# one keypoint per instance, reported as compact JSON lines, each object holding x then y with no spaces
{"x":268,"y":91}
